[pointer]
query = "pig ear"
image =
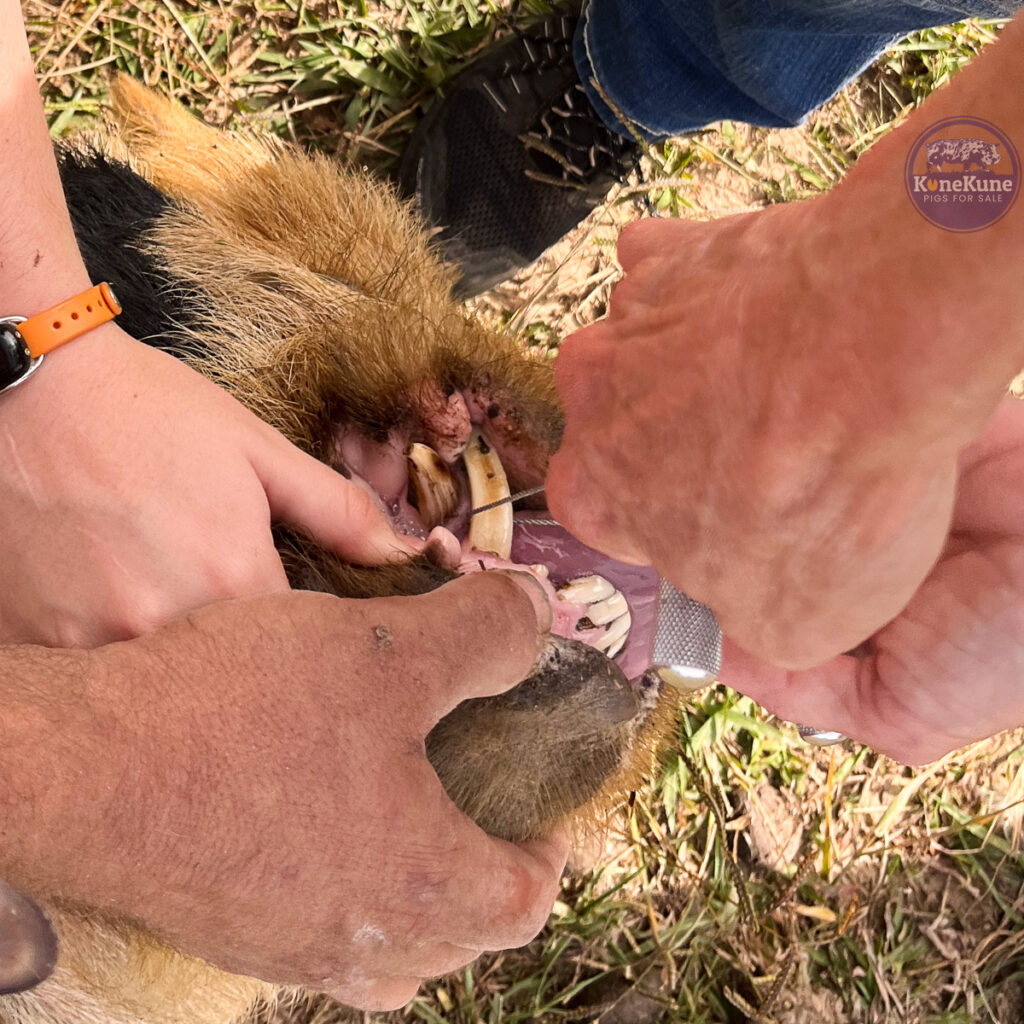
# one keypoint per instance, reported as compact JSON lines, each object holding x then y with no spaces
{"x":177,"y":152}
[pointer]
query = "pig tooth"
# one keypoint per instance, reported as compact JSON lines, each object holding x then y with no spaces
{"x":540,"y":569}
{"x":615,"y":632}
{"x":586,"y":590}
{"x":616,"y":648}
{"x":437,"y":497}
{"x":604,"y":611}
{"x":491,"y":530}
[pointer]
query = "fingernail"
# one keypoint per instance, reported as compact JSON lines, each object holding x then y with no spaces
{"x":28,"y":944}
{"x":534,"y":589}
{"x":445,"y":546}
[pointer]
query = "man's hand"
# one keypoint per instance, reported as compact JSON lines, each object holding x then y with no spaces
{"x":132,"y":490}
{"x":251,"y":783}
{"x":950,"y":668}
{"x":772,"y":412}
{"x":749,"y":419}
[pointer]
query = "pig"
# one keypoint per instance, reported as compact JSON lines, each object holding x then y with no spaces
{"x":966,"y":152}
{"x":313,"y":295}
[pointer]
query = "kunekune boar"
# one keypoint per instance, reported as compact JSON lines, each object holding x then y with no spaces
{"x":313,"y":295}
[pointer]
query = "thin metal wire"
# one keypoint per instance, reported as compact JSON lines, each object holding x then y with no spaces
{"x":510,"y":498}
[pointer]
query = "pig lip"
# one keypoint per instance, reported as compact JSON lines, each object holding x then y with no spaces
{"x":537,"y":538}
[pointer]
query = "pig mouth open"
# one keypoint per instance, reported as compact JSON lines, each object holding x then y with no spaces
{"x":591,"y":695}
{"x":420,"y":486}
{"x":313,"y":296}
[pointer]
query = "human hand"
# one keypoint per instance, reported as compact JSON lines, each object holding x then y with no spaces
{"x":258,"y":791}
{"x":133,"y":490}
{"x":748,"y":419}
{"x":949,"y":669}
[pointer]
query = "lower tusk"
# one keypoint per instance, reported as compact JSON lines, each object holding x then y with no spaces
{"x":437,"y":497}
{"x":491,"y":530}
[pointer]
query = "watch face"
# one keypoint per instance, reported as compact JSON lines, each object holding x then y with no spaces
{"x":15,"y":358}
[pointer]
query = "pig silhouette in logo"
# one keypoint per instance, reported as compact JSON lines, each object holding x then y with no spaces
{"x":966,"y":152}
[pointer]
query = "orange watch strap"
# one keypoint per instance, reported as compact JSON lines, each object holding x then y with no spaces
{"x":67,"y":320}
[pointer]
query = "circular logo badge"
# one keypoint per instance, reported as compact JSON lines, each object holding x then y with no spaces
{"x":963,"y":174}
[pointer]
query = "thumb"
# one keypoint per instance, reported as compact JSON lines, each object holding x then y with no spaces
{"x":846,"y":694}
{"x":477,"y":636}
{"x":340,"y":515}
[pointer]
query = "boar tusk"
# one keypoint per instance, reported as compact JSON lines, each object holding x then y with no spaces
{"x":491,"y":530}
{"x":437,"y":497}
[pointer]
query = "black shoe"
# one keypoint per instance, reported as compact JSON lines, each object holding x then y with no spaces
{"x":513,"y":157}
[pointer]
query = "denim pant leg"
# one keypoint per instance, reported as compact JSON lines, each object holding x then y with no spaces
{"x":672,"y":66}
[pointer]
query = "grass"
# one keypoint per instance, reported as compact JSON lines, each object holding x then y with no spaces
{"x":758,"y":879}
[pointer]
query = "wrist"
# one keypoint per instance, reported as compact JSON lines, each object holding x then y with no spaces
{"x":36,"y":287}
{"x":929,"y":323}
{"x":947,"y":305}
{"x":79,"y":369}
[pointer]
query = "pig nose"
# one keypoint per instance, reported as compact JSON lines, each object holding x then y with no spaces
{"x":28,"y":944}
{"x":522,"y":760}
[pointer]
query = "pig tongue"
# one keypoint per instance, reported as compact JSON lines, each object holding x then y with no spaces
{"x":536,"y":538}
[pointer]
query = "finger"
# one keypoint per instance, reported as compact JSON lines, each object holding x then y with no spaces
{"x":433,"y":960}
{"x":817,"y":697}
{"x":574,"y":487}
{"x":497,"y":895}
{"x":312,"y":497}
{"x":474,"y":637}
{"x":582,"y":364}
{"x":990,"y":491}
{"x":582,"y":506}
{"x":845,"y":694}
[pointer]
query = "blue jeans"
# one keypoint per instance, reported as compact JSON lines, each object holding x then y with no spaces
{"x":673,"y":66}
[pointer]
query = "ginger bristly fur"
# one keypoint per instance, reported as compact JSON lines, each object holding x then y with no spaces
{"x":328,"y":269}
{"x":313,"y":295}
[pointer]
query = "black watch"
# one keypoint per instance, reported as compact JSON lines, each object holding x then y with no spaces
{"x":16,"y":361}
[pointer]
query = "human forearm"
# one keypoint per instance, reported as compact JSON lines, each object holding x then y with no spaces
{"x":941,"y":312}
{"x":51,"y":765}
{"x":233,"y":779}
{"x":39,"y":260}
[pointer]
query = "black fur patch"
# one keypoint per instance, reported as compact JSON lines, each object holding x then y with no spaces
{"x":112,"y":207}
